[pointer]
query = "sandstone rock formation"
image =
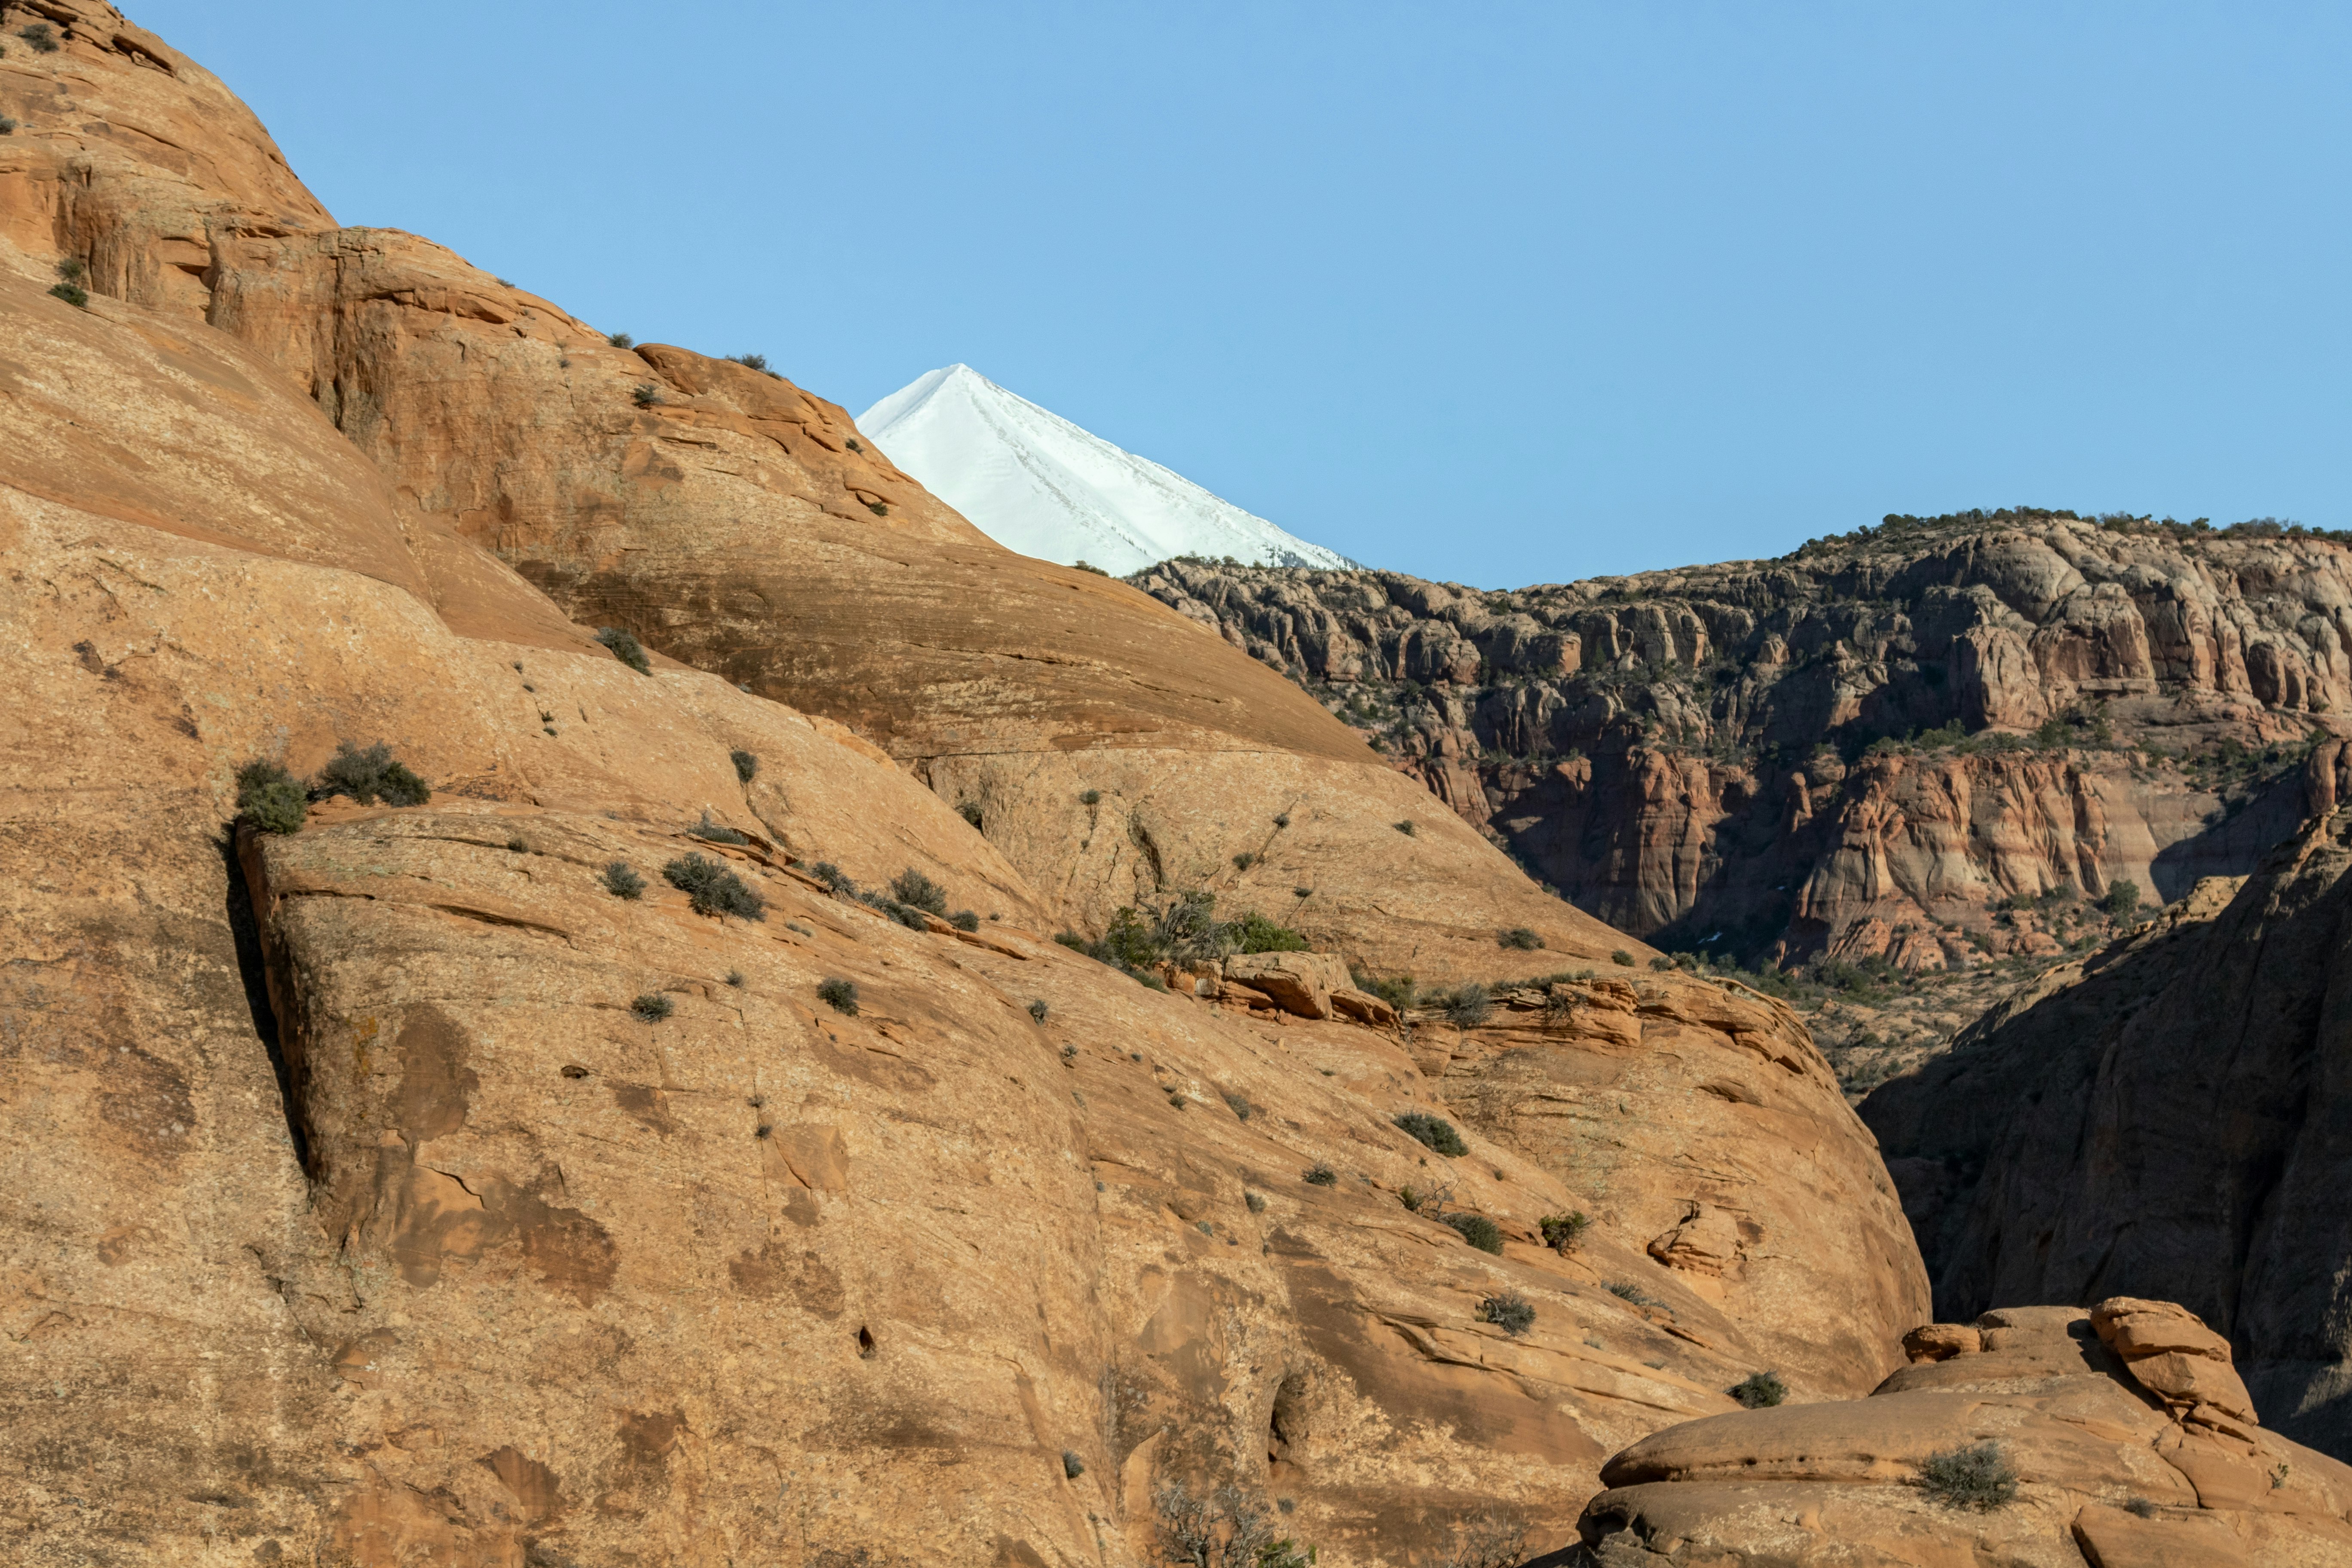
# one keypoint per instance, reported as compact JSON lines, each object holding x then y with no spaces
{"x":392,"y":1193}
{"x":2164,"y":1117}
{"x":2122,"y":1436}
{"x":1714,"y":758}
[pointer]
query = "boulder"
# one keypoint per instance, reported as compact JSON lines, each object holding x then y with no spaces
{"x":1300,"y":982}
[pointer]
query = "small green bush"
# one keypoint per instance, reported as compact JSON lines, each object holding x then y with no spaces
{"x":73,"y":294}
{"x":913,"y":889}
{"x":1283,"y":820}
{"x":1434,"y":1131}
{"x":1256,"y":1202}
{"x":1095,"y":570}
{"x":1621,"y":956}
{"x":1519,"y":939}
{"x":1240,"y":1105}
{"x":735,"y":978}
{"x":878,"y":508}
{"x":652,"y":1007}
{"x":622,"y":340}
{"x":625,"y":647}
{"x":7,"y":126}
{"x":1760,"y":1390}
{"x":621,"y":882}
{"x":750,"y":362}
{"x":1072,"y":1466}
{"x":1244,"y":860}
{"x":269,"y":797}
{"x":1037,"y":1010}
{"x":646,"y":394}
{"x":1397,"y":991}
{"x":1477,"y":1230}
{"x":712,"y":889}
{"x":1626,"y":1291}
{"x":1507,"y":1311}
{"x":969,"y":811}
{"x":44,"y":42}
{"x":369,"y":775}
{"x":1090,"y":797}
{"x":2121,"y":902}
{"x":747,"y":765}
{"x":1256,"y":933}
{"x":716,"y":832}
{"x":73,"y":268}
{"x":1560,"y":1230}
{"x":1405,"y":827}
{"x":841,"y":996}
{"x":965,"y":920}
{"x":1975,"y":1477}
{"x":1466,"y":1006}
{"x":1661,"y":964}
{"x":854,"y":445}
{"x":1321,"y":1175}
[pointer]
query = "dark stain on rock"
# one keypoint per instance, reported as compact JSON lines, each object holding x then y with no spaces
{"x":569,"y":1251}
{"x":647,"y":1107}
{"x":770,"y":1269}
{"x":536,"y":1490}
{"x":435,"y":1084}
{"x":648,"y":1436}
{"x":149,"y":1100}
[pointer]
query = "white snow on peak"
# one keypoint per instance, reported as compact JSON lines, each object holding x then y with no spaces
{"x":1036,"y":483}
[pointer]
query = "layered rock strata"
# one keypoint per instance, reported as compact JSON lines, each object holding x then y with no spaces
{"x":2041,"y":1435}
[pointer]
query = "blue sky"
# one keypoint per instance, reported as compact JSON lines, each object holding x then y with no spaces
{"x":1494,"y":293}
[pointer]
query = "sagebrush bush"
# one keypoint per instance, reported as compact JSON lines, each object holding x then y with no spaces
{"x":1661,"y":964}
{"x":1256,"y":1202}
{"x":911,"y":887}
{"x":1477,"y":1230}
{"x":653,"y":1006}
{"x":1037,"y":1010}
{"x":368,"y":775}
{"x":621,"y":880}
{"x":1405,"y":827}
{"x":747,"y":765}
{"x":270,"y":798}
{"x":712,"y":889}
{"x":1560,"y":1230}
{"x":965,"y":920}
{"x":1244,"y":860}
{"x":40,"y":37}
{"x":7,"y":126}
{"x":750,"y":362}
{"x":1240,"y":1105}
{"x":1433,"y":1132}
{"x":716,"y":832}
{"x":1760,"y":1390}
{"x":1397,"y":991}
{"x":645,"y":393}
{"x":1519,"y":939}
{"x":625,"y":647}
{"x":1090,"y":797}
{"x":1466,"y":1006}
{"x":1319,"y":1174}
{"x":2121,"y":902}
{"x":1507,"y":1311}
{"x":839,"y":994}
{"x":622,"y":340}
{"x":854,"y":445}
{"x":1975,"y":1477}
{"x":73,"y":294}
{"x":735,"y":978}
{"x":1621,"y":956}
{"x":1072,"y":1466}
{"x":1626,"y":1291}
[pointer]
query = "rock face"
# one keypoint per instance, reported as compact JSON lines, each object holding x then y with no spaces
{"x":2165,"y":1116}
{"x":2123,"y":1435}
{"x":1714,"y":758}
{"x":394,"y":1193}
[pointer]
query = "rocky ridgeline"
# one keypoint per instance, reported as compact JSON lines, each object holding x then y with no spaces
{"x":1936,"y":741}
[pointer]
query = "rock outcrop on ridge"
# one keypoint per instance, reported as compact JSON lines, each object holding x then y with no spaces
{"x":2168,"y":1115}
{"x":393,"y":1192}
{"x":1880,"y":746}
{"x":2047,"y":1436}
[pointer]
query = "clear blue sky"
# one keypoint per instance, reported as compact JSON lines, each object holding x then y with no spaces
{"x":1498,"y":293}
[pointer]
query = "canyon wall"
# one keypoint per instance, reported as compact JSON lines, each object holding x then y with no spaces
{"x":1863,"y":748}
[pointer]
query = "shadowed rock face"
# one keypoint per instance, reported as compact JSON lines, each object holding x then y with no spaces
{"x":2037,"y":1435}
{"x":2166,"y":1116}
{"x":1687,"y":754}
{"x":353,"y":1211}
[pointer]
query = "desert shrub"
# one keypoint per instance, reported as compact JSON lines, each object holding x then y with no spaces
{"x":653,"y":1006}
{"x":1404,"y":828}
{"x":1434,"y":1133}
{"x":854,"y":445}
{"x":716,"y":832}
{"x":833,"y":876}
{"x":646,"y":394}
{"x":1760,"y":1390}
{"x":1560,"y":1230}
{"x":1519,"y":939}
{"x":7,"y":126}
{"x":1397,"y":991}
{"x":1623,"y":957}
{"x":747,"y":765}
{"x":40,"y":37}
{"x":1244,"y":860}
{"x":969,"y":811}
{"x":622,"y":340}
{"x":1090,"y":797}
{"x":1507,"y":1311}
{"x":1466,"y":1005}
{"x":1319,"y":1174}
{"x":1037,"y":1010}
{"x":1256,"y":1202}
{"x":712,"y":889}
{"x":625,"y":647}
{"x":1626,"y":1291}
{"x":1283,"y":820}
{"x":965,"y":920}
{"x":735,"y":978}
{"x":73,"y":294}
{"x":1974,"y":1476}
{"x":370,"y":774}
{"x":1256,"y":933}
{"x":750,"y":362}
{"x":910,"y":886}
{"x":1072,"y":1466}
{"x":2140,"y":1508}
{"x":1661,"y":964}
{"x":621,"y":882}
{"x":1240,"y":1105}
{"x":1477,"y":1230}
{"x":2121,"y":902}
{"x":269,"y":797}
{"x":841,"y":996}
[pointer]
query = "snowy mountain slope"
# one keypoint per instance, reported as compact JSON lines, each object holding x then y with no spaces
{"x":1036,"y":483}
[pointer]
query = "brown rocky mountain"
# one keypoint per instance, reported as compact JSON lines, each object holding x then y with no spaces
{"x":2169,"y":1114}
{"x":393,"y":1192}
{"x":1931,"y":742}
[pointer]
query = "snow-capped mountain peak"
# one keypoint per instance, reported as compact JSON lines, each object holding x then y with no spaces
{"x":1036,"y":483}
